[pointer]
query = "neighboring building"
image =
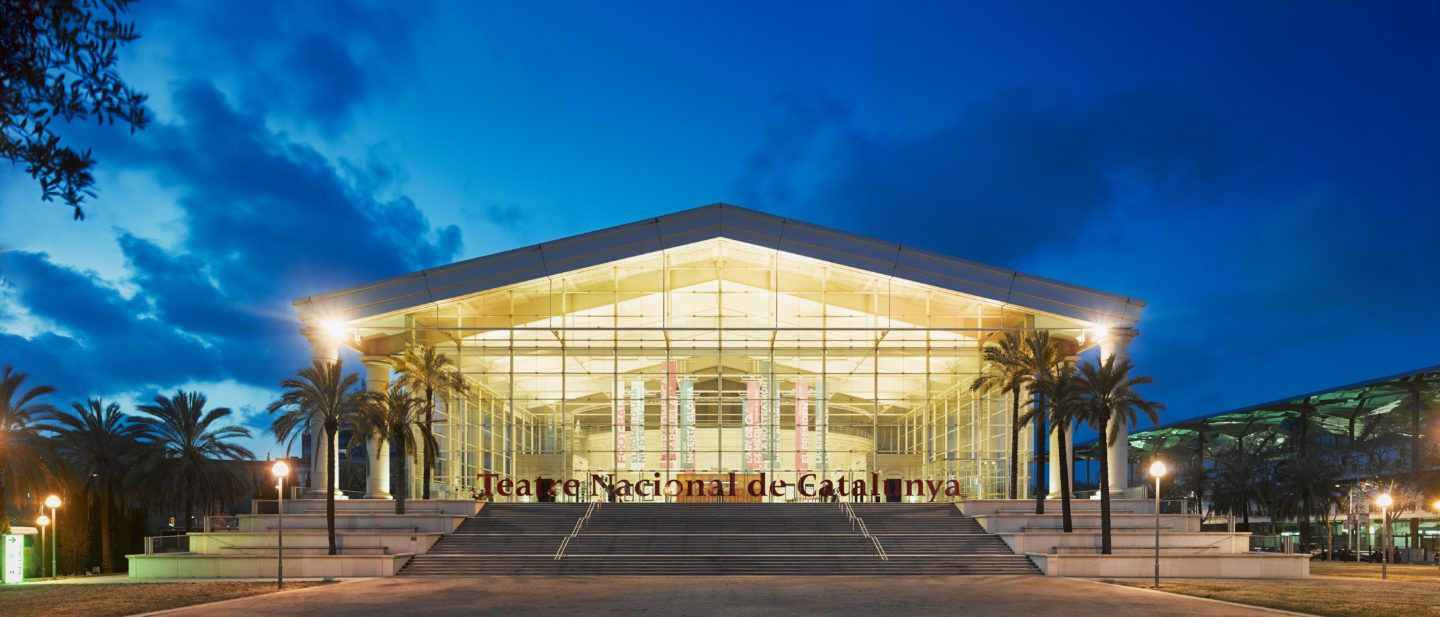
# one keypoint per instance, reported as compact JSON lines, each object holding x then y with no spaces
{"x":1373,"y":436}
{"x":1379,"y":422}
{"x":714,"y":340}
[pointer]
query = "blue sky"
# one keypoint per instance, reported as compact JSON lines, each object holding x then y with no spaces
{"x":1263,"y":174}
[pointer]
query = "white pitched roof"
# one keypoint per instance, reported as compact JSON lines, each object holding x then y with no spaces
{"x":720,"y":220}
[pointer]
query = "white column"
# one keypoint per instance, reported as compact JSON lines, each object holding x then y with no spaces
{"x":323,"y":348}
{"x":1056,"y":467}
{"x":1116,"y":343}
{"x":377,"y":482}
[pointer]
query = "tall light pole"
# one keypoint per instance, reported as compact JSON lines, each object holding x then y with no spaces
{"x":1157,"y":471}
{"x":43,"y":521}
{"x":53,"y":502}
{"x":1384,"y":501}
{"x":280,"y":469}
{"x":1436,"y":505}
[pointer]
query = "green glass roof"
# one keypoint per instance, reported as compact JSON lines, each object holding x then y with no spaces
{"x":1331,"y":411}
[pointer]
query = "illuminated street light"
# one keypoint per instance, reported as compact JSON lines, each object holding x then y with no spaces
{"x":42,"y":521}
{"x":53,"y":502}
{"x":1384,"y":501}
{"x":280,"y":469}
{"x":1157,"y":471}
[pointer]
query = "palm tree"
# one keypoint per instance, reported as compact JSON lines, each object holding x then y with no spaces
{"x":1107,"y":399}
{"x":1308,"y":486}
{"x":101,"y":445}
{"x":1041,"y":356}
{"x":23,"y":451}
{"x":321,"y":396}
{"x":422,"y":368}
{"x":392,"y":418}
{"x":1006,"y":371}
{"x":1057,"y":401}
{"x":188,"y":448}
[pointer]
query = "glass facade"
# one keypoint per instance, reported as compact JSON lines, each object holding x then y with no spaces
{"x":718,"y":357}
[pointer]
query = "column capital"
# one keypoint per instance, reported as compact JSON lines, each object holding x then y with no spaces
{"x":377,"y":361}
{"x":324,"y":346}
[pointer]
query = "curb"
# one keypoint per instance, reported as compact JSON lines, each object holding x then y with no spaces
{"x":167,"y":611}
{"x":1278,"y":611}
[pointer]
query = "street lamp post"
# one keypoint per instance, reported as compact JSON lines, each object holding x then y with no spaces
{"x":1436,"y":505}
{"x":1384,"y":501}
{"x":53,"y":502}
{"x":1157,"y":471}
{"x":43,"y":521}
{"x":280,"y":469}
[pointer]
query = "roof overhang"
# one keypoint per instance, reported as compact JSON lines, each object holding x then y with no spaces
{"x":433,"y":285}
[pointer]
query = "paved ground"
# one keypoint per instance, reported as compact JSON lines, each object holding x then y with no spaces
{"x":893,"y":596}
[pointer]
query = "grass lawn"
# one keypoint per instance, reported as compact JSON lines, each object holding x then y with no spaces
{"x":115,"y":600}
{"x":1334,"y":589}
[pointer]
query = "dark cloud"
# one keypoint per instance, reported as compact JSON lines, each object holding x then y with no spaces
{"x":267,"y":220}
{"x":103,"y":341}
{"x":1269,"y":269}
{"x":1009,"y":177}
{"x":311,"y":62}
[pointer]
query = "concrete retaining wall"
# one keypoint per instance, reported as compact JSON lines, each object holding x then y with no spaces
{"x":1047,"y":541}
{"x":1011,"y":523}
{"x":1242,"y":565}
{"x":218,"y":543}
{"x":376,"y":521}
{"x":978,"y":507}
{"x":263,"y":566}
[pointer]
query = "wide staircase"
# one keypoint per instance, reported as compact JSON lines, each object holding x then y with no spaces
{"x":640,"y":539}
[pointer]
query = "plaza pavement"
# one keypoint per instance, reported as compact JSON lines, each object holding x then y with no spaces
{"x":677,"y":596}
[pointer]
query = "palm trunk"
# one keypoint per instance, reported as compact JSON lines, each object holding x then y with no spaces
{"x":428,"y":454}
{"x":106,"y":558}
{"x":1415,"y":437}
{"x":1065,"y":472}
{"x":1014,"y":442}
{"x":1104,"y":492}
{"x":4,"y":511}
{"x":1040,"y":445}
{"x":189,"y":501}
{"x":398,"y":481}
{"x":330,"y":493}
{"x":1200,"y":473}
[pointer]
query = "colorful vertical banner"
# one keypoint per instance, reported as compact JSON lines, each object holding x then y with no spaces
{"x":687,"y":424}
{"x":754,"y":455}
{"x":822,"y":426}
{"x":802,"y":426}
{"x":770,"y":395}
{"x":620,"y":427}
{"x":637,"y":424}
{"x":669,"y":420}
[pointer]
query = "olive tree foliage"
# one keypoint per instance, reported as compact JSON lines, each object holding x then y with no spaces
{"x":57,"y":66}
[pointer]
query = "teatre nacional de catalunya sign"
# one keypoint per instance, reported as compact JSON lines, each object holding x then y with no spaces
{"x":758,"y":485}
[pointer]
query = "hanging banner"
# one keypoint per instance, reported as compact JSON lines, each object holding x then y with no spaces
{"x":637,"y":424}
{"x":770,"y":395}
{"x":822,"y":426}
{"x":754,"y":437}
{"x":802,"y":426}
{"x":687,"y":424}
{"x":619,"y":426}
{"x":669,"y":420}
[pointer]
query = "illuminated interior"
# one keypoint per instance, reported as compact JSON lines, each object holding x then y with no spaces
{"x":713,"y":357}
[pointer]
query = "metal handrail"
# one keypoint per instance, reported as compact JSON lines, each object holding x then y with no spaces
{"x":579,"y":523}
{"x":857,"y":522}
